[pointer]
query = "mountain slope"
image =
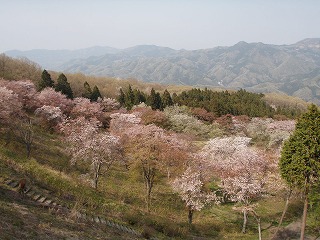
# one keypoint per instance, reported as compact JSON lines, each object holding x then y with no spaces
{"x":292,"y":69}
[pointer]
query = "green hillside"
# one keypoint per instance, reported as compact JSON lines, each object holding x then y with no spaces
{"x":99,"y":170}
{"x":120,"y":199}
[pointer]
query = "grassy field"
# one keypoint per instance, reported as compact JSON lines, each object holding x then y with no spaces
{"x":120,"y":196}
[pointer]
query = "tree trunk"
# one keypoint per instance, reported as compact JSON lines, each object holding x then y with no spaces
{"x":148,"y":174}
{"x":259,"y":223}
{"x":305,"y":209}
{"x":259,"y":228}
{"x":96,"y":174}
{"x":190,"y":215}
{"x":148,"y":196}
{"x":285,"y":208}
{"x":8,"y":137}
{"x":28,"y":146}
{"x":284,"y":212}
{"x":26,"y":133}
{"x":245,"y":219}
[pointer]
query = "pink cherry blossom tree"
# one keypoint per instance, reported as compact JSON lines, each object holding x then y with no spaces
{"x":24,"y":89}
{"x":49,"y":97}
{"x":150,"y":147}
{"x":121,"y":122}
{"x":279,"y":131}
{"x":90,"y":144}
{"x":50,"y":115}
{"x":13,"y":117}
{"x":142,"y":143}
{"x":83,"y":107}
{"x":190,"y":188}
{"x":269,"y":132}
{"x":108,"y":104}
{"x":176,"y":153}
{"x":242,"y":170}
{"x":11,"y":110}
{"x":9,"y":105}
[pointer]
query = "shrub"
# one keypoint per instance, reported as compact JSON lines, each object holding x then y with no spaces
{"x":181,"y":121}
{"x":155,"y":117}
{"x":203,"y":115}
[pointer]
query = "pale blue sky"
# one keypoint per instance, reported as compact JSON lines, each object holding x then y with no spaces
{"x":189,"y":24}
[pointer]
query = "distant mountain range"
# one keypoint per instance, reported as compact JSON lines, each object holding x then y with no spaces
{"x":293,"y":69}
{"x":55,"y":59}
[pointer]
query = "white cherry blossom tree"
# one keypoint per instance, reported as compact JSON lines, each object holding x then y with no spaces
{"x":242,"y":170}
{"x":150,"y":148}
{"x":90,"y":144}
{"x":49,"y":97}
{"x":190,"y":188}
{"x":9,"y":105}
{"x":50,"y":115}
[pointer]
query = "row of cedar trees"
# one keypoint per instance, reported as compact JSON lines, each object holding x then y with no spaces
{"x":219,"y":103}
{"x":64,"y":87}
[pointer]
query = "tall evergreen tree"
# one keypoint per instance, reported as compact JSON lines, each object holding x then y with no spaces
{"x":45,"y":81}
{"x":87,"y":92}
{"x":129,"y":98}
{"x":166,"y":99}
{"x":300,"y":157}
{"x":138,"y":97}
{"x":95,"y":94}
{"x":154,"y":100}
{"x":121,"y":98}
{"x":63,"y":86}
{"x":158,"y":103}
{"x":175,"y":98}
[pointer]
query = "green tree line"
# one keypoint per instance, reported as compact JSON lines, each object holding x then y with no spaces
{"x":64,"y":87}
{"x":219,"y":103}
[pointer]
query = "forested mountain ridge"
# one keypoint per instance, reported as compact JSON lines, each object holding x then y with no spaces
{"x":292,"y":69}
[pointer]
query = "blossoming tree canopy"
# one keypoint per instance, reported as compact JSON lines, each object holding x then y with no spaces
{"x":9,"y":104}
{"x":190,"y":188}
{"x":50,"y":97}
{"x":89,"y":144}
{"x":242,"y":169}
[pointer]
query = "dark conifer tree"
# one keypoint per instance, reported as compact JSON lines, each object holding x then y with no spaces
{"x":95,"y":94}
{"x":138,"y":97}
{"x":154,"y":100}
{"x":175,"y":98}
{"x":129,"y":98}
{"x":158,"y":103}
{"x":45,"y":81}
{"x":121,"y":98}
{"x":300,"y":157}
{"x":63,"y":86}
{"x":87,"y":92}
{"x":166,"y":99}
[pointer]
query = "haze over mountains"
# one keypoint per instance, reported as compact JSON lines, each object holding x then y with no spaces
{"x":293,"y":69}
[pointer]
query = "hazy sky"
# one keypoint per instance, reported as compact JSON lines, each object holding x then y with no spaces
{"x":189,"y":24}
